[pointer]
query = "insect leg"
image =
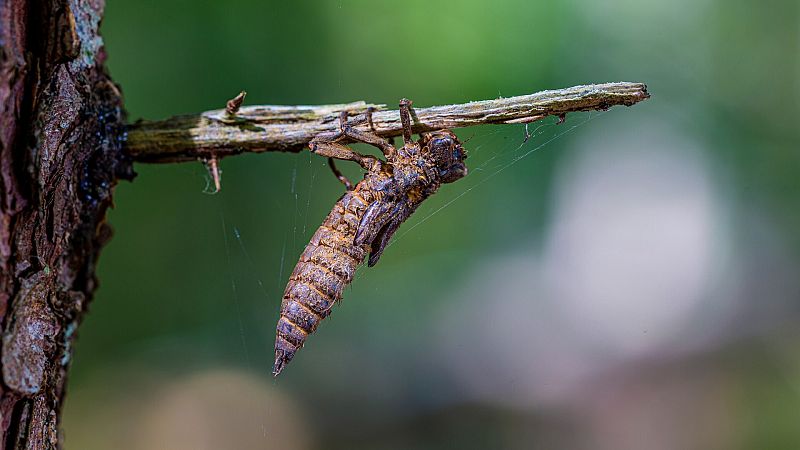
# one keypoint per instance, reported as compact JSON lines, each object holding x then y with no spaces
{"x":364,"y":118}
{"x":331,"y":136}
{"x":369,"y":137}
{"x":370,"y":110}
{"x":343,"y":152}
{"x":325,"y":144}
{"x":342,"y":178}
{"x":405,"y":119}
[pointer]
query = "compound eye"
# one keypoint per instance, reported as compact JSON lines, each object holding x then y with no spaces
{"x":441,"y":142}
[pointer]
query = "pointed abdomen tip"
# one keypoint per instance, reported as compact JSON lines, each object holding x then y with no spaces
{"x":282,"y":356}
{"x":277,"y":367}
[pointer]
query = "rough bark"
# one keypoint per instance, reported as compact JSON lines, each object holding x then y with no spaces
{"x":61,"y":131}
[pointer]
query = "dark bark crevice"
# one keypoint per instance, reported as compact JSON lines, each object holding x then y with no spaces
{"x":61,"y":132}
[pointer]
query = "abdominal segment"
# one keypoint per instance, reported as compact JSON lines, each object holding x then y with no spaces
{"x":326,"y":267}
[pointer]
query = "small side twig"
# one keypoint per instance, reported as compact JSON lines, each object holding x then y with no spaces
{"x":212,"y":165}
{"x":233,"y":105}
{"x":289,"y":128}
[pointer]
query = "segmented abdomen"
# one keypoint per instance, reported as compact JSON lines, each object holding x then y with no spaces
{"x":326,"y":267}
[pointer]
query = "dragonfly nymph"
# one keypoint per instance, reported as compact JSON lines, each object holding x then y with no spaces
{"x":363,"y":220}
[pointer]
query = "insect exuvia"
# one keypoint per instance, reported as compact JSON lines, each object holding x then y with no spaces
{"x":363,"y":220}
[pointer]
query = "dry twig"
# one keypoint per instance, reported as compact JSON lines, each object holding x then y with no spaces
{"x":289,"y":128}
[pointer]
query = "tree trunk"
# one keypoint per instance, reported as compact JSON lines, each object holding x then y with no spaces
{"x":61,"y":131}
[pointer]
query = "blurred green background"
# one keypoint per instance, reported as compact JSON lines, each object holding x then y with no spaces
{"x":630,"y":283}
